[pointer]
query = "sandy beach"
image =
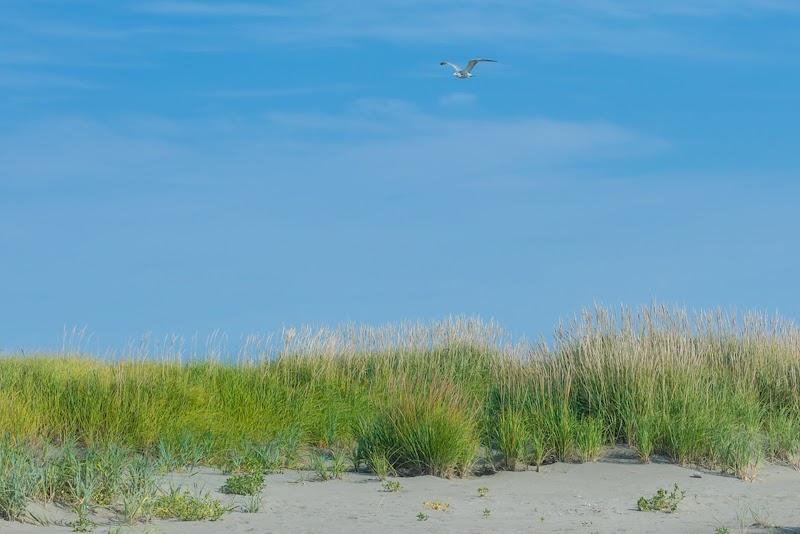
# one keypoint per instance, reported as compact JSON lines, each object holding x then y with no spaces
{"x":592,"y":497}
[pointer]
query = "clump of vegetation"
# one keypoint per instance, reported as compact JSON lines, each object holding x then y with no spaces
{"x":483,"y":491}
{"x":185,"y":506}
{"x":392,"y":486}
{"x":436,"y":505}
{"x":422,"y":516}
{"x":107,"y":466}
{"x":662,"y":501}
{"x":589,"y":439}
{"x":486,"y":513}
{"x":339,"y":463}
{"x":380,"y":465}
{"x":641,"y":435}
{"x":17,"y":481}
{"x":253,"y":504}
{"x":245,"y":484}
{"x":740,"y":451}
{"x":425,"y":432}
{"x":511,"y":436}
{"x":538,"y":448}
{"x":327,"y":468}
{"x":255,"y":458}
{"x":86,"y":486}
{"x":140,"y":490}
{"x":783,"y":438}
{"x":15,"y":485}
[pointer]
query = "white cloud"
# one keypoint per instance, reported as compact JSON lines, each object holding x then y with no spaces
{"x":619,"y":27}
{"x":375,"y":140}
{"x":546,"y":27}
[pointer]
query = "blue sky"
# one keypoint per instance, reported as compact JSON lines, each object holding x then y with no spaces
{"x":184,"y":166}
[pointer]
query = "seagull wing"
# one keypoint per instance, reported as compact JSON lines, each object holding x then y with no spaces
{"x":455,"y":67}
{"x":473,"y":62}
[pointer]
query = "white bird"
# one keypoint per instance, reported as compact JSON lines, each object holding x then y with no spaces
{"x":466,"y":72}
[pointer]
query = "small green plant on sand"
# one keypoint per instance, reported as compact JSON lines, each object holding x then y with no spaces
{"x":84,"y":488}
{"x":338,"y":463}
{"x":422,"y":516}
{"x":722,"y":530}
{"x":82,"y":524}
{"x":392,"y":486}
{"x":538,"y":450}
{"x":662,"y":501}
{"x":246,"y":484}
{"x":483,"y":491}
{"x":319,"y":464}
{"x":182,"y":505}
{"x":380,"y":465}
{"x":139,"y":491}
{"x":486,"y":512}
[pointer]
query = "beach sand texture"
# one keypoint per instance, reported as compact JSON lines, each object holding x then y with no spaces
{"x":591,"y":497}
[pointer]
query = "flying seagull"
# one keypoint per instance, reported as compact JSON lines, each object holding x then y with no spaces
{"x":458,"y":72}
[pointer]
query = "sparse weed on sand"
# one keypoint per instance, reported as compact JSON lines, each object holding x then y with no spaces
{"x":253,"y":504}
{"x":662,"y":501}
{"x":186,"y":506}
{"x":437,"y":506}
{"x":329,"y":465}
{"x":246,"y":484}
{"x":380,"y":465}
{"x":339,"y":463}
{"x":392,"y":486}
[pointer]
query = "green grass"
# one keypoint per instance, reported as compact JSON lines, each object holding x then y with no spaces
{"x":379,"y":464}
{"x":428,"y":432}
{"x":710,"y":389}
{"x":511,"y":436}
{"x":17,"y":483}
{"x":589,"y":439}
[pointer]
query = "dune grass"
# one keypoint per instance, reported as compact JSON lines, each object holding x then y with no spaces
{"x":710,"y":389}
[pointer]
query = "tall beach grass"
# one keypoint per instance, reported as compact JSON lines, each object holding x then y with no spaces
{"x":714,"y":389}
